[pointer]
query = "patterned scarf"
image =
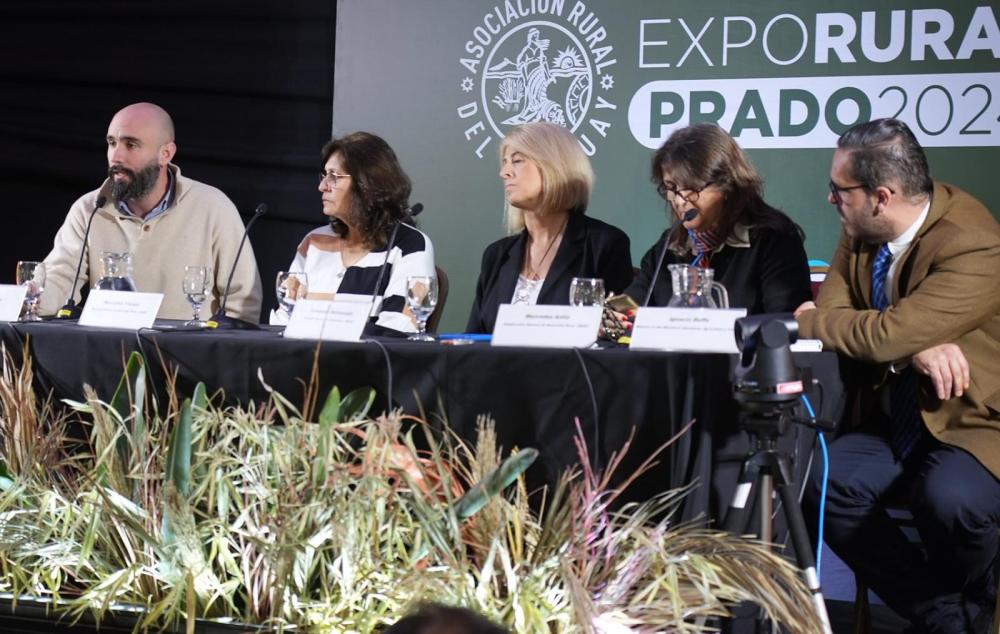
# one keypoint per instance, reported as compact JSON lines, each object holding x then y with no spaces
{"x":704,"y":243}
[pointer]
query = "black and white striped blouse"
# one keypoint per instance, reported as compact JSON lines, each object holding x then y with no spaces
{"x":412,"y":254}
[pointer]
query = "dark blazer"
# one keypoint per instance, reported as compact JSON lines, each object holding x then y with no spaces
{"x":769,"y":276}
{"x":589,"y":248}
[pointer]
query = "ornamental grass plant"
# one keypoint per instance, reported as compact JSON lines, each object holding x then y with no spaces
{"x":340,"y":522}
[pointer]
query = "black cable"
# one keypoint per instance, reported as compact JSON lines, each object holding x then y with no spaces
{"x":822,"y":398}
{"x":598,"y":449}
{"x":388,"y":371}
{"x":817,"y":411}
{"x":142,"y":351}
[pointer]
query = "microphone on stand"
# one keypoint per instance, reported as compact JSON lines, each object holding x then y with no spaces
{"x":414,"y":212}
{"x":688,"y":216}
{"x":70,"y":310}
{"x":219,"y":321}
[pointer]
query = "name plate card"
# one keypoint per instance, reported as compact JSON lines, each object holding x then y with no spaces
{"x":686,"y":329}
{"x":11,"y":301}
{"x":546,"y":326}
{"x":128,"y":310}
{"x":327,"y":320}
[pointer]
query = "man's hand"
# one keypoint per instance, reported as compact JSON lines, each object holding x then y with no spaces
{"x":804,"y":307}
{"x":947,"y":367}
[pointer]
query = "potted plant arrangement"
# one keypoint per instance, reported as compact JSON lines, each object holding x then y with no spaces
{"x":184,"y":515}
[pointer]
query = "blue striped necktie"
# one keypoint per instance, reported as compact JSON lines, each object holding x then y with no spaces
{"x":906,"y":426}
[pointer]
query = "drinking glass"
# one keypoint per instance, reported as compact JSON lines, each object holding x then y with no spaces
{"x":290,"y":287}
{"x":31,"y":275}
{"x":422,"y":298}
{"x":586,"y":291}
{"x":197,"y":285}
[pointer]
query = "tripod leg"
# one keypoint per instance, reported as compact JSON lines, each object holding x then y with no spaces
{"x":736,"y":515}
{"x":765,"y":507}
{"x":803,"y":549}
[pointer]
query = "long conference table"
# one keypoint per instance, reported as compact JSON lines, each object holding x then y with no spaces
{"x":535,"y":395}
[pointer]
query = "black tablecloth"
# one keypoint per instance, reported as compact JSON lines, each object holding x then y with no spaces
{"x":534,"y":395}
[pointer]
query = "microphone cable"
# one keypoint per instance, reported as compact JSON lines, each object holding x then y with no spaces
{"x":598,"y":458}
{"x":388,"y":370}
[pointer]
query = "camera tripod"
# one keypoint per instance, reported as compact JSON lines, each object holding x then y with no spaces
{"x":770,"y":469}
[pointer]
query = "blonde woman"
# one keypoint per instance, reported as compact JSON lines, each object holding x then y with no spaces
{"x":547,"y":184}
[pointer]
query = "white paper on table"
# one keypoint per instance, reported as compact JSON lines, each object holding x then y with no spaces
{"x":686,"y":329}
{"x":129,"y":310}
{"x":330,"y":320}
{"x":11,"y":301}
{"x":543,"y":326}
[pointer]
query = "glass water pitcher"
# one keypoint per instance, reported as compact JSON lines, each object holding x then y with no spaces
{"x":116,"y":272}
{"x":695,"y":288}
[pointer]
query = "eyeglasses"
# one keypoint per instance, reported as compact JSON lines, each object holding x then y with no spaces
{"x":671,"y":193}
{"x":836,"y":190}
{"x":331,"y":177}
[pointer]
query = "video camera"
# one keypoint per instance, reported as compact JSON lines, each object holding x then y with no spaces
{"x":766,"y":375}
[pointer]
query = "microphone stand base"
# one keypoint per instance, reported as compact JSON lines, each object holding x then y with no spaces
{"x":69,"y":311}
{"x":224,"y":322}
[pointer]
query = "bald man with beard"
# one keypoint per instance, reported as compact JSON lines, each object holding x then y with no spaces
{"x":164,"y":219}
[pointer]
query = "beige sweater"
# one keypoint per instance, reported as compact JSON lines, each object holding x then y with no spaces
{"x":202,"y":228}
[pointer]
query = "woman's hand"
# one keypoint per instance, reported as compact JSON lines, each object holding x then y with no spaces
{"x":615,"y":324}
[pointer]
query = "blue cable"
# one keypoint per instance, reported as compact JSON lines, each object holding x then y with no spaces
{"x":822,"y":495}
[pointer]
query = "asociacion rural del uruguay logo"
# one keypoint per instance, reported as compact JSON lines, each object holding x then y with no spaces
{"x":522,"y":69}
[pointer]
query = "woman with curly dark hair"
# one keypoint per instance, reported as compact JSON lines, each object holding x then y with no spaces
{"x":370,"y":245}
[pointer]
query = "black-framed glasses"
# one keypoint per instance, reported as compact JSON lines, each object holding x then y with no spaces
{"x":836,"y":190}
{"x":671,"y":192}
{"x":333,"y":178}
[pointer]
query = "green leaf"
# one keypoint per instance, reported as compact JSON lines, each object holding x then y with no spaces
{"x":6,"y":479}
{"x":179,"y":458}
{"x":128,"y":399}
{"x":121,"y":402}
{"x":139,"y":431}
{"x":331,"y":408}
{"x":356,"y":405}
{"x":200,"y":398}
{"x":199,"y":403}
{"x":494,"y":483}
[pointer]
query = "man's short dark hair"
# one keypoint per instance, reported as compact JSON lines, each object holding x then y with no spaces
{"x":885,"y":152}
{"x":433,"y":618}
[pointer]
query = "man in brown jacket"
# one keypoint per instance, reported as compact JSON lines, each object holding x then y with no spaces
{"x":912,"y":302}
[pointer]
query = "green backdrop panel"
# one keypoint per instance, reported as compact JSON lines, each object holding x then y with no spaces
{"x":442,"y":80}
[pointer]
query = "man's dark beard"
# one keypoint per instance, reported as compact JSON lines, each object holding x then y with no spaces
{"x":138,"y":184}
